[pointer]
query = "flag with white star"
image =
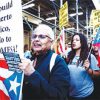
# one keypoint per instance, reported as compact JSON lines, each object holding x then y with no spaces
{"x":97,"y":39}
{"x":10,"y":82}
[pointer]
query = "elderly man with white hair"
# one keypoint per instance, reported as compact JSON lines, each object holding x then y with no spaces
{"x":41,"y":82}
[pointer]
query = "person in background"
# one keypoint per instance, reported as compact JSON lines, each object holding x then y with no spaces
{"x":67,"y":50}
{"x":81,"y":69}
{"x":40,"y":83}
{"x":95,"y":52}
{"x":27,"y":52}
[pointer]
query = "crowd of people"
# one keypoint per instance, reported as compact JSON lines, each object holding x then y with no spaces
{"x":71,"y":78}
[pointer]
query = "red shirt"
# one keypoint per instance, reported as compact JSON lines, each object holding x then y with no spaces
{"x":98,"y":58}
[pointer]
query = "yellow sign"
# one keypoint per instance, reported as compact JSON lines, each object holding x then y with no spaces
{"x":63,"y":15}
{"x":95,"y":20}
{"x":95,"y":17}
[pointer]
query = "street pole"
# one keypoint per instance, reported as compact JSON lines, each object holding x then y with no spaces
{"x":39,"y":11}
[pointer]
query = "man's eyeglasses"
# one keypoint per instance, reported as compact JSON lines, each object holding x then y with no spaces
{"x":34,"y":36}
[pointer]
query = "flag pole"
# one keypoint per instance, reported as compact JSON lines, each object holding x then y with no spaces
{"x":77,"y":16}
{"x":87,"y":20}
{"x":20,"y":95}
{"x":90,"y":51}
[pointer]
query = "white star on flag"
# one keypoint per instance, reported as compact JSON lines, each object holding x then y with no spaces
{"x":14,"y":85}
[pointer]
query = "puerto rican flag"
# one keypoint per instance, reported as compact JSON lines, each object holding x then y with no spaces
{"x":10,"y":83}
{"x":97,"y":39}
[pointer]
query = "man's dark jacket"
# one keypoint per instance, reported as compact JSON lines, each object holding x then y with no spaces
{"x":46,"y":85}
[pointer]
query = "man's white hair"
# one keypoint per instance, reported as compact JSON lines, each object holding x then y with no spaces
{"x":43,"y":28}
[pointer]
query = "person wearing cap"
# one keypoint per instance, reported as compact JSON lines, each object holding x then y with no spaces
{"x":39,"y":82}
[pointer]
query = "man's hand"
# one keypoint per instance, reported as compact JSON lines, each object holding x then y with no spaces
{"x":27,"y":66}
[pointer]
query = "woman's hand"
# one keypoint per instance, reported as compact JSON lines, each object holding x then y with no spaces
{"x":27,"y":66}
{"x":86,"y":64}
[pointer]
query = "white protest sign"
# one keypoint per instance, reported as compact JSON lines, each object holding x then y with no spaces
{"x":11,"y":26}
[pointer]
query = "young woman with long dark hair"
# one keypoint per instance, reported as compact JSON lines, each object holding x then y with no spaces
{"x":81,"y":68}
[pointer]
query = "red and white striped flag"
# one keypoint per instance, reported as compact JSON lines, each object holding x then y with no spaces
{"x":61,"y":47}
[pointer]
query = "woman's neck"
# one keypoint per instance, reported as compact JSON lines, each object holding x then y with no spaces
{"x":78,"y":52}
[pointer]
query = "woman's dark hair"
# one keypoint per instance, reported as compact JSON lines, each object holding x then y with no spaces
{"x":84,"y":49}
